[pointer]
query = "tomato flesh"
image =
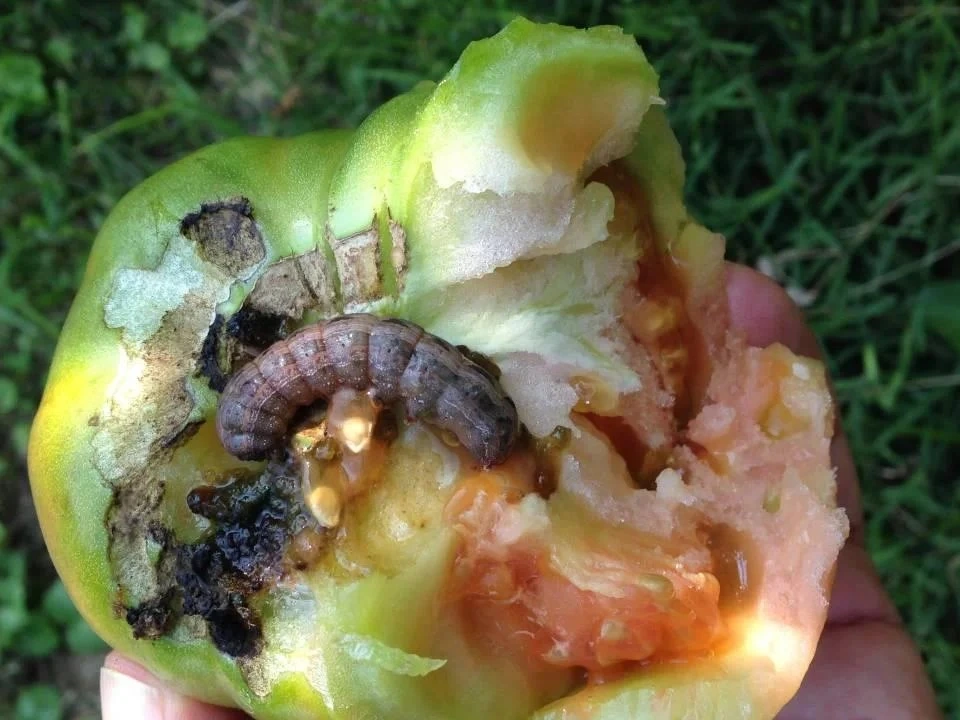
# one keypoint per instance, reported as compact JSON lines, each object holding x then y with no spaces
{"x":512,"y":586}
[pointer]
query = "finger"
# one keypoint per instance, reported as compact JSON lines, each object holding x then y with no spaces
{"x":764,"y":312}
{"x":129,"y":692}
{"x":864,"y":670}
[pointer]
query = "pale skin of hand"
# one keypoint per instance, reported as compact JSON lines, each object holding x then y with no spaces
{"x":866,"y":667}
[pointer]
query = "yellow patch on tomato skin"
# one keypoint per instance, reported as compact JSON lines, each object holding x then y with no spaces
{"x":59,"y":463}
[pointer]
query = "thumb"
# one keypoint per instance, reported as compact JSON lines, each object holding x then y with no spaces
{"x":128,"y":692}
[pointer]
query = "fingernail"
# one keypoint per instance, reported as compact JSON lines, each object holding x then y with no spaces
{"x":125,"y":698}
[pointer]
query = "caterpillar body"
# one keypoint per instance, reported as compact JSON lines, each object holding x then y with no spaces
{"x":394,"y":360}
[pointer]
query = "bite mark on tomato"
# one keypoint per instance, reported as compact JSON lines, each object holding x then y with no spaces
{"x":513,"y":583}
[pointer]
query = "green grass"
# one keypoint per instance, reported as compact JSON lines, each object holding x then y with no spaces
{"x":823,"y":142}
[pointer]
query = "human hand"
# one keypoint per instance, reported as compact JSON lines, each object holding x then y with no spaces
{"x":866,"y":664}
{"x":128,"y":692}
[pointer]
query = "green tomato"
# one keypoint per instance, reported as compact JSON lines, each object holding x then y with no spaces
{"x":529,"y":207}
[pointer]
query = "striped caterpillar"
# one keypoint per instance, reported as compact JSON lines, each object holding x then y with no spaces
{"x":393,"y":359}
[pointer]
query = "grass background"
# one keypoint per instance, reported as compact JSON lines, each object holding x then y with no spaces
{"x":823,"y":141}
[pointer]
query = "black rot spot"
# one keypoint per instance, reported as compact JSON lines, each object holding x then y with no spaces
{"x":231,"y":342}
{"x":257,"y":329}
{"x":151,"y":618}
{"x":255,"y":521}
{"x":209,"y":362}
{"x":204,"y":579}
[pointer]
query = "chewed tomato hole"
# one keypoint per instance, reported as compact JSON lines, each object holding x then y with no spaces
{"x":643,"y":463}
{"x":591,"y":605}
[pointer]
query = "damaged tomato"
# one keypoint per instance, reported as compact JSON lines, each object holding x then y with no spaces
{"x":441,"y":418}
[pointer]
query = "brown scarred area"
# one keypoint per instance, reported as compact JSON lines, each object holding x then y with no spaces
{"x":358,"y":266}
{"x":151,"y":618}
{"x":226,"y":234}
{"x":288,"y":288}
{"x":266,"y":530}
{"x":296,"y":284}
{"x":283,"y":293}
{"x":129,"y":521}
{"x":257,"y":523}
{"x":169,"y":358}
{"x":131,"y":445}
{"x":398,"y":253}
